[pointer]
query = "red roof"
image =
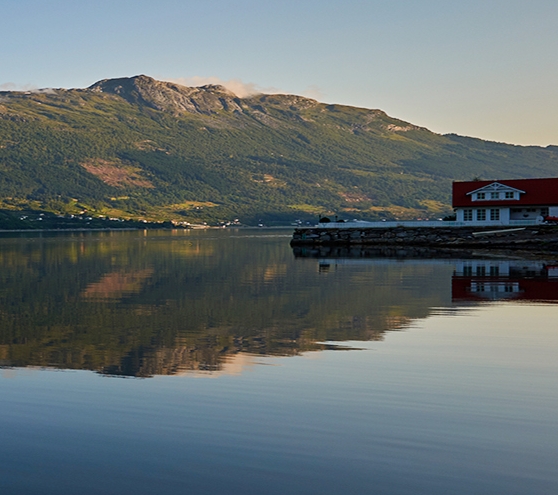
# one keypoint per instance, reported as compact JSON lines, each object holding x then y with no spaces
{"x":538,"y":192}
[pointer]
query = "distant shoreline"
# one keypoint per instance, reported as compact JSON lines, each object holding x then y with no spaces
{"x":13,"y":231}
{"x":128,"y":229}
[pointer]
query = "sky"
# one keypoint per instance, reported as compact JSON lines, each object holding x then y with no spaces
{"x":481,"y":68}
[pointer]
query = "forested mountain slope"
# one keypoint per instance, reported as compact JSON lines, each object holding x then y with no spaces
{"x":141,"y":148}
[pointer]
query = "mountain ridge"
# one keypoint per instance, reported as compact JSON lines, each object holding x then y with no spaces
{"x":136,"y":147}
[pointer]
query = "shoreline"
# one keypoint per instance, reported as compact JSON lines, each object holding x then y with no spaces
{"x":128,"y":229}
{"x":529,"y":238}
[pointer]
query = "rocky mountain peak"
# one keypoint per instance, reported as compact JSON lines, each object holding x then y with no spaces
{"x":169,"y":96}
{"x":217,"y":88}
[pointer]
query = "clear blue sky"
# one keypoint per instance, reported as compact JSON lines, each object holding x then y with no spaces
{"x":479,"y":68}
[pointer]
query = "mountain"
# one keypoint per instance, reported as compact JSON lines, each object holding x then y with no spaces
{"x":140,"y":148}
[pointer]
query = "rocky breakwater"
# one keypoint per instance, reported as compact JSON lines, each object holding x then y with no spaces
{"x":540,"y":237}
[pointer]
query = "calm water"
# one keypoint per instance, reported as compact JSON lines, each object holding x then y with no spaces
{"x":223,"y":362}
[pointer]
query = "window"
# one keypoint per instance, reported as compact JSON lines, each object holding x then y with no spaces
{"x":467,"y":215}
{"x":481,"y":271}
{"x":481,"y":215}
{"x":467,"y":271}
{"x":494,"y":271}
{"x":509,"y":195}
{"x":494,"y":195}
{"x":481,"y":195}
{"x":494,"y":214}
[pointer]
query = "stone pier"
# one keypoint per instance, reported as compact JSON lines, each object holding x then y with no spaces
{"x":540,"y":237}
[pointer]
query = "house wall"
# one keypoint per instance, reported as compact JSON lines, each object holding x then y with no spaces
{"x":470,"y":268}
{"x":505,"y":215}
{"x":503,"y":220}
{"x":528,"y":213}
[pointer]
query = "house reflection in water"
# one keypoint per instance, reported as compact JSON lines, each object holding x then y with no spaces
{"x":474,"y":278}
{"x":485,"y":280}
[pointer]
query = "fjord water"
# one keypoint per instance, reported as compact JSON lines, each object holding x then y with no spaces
{"x":220,"y":362}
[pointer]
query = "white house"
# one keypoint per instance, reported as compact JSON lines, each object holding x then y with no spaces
{"x":505,"y":202}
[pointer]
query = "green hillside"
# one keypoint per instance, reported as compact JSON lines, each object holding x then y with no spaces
{"x":144,"y":149}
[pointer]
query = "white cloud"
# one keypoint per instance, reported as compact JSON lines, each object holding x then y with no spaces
{"x":31,"y":88}
{"x":314,"y":92}
{"x":238,"y":87}
{"x":9,"y":86}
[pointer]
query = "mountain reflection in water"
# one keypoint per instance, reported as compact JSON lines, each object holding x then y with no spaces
{"x":158,"y":303}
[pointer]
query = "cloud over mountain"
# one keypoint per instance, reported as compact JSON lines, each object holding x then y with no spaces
{"x":237,"y":86}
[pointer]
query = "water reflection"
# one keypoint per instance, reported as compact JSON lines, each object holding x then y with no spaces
{"x":477,"y":276}
{"x":118,"y":284}
{"x":136,"y":304}
{"x":498,"y":280}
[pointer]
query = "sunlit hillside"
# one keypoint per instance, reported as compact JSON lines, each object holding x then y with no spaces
{"x":144,"y":149}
